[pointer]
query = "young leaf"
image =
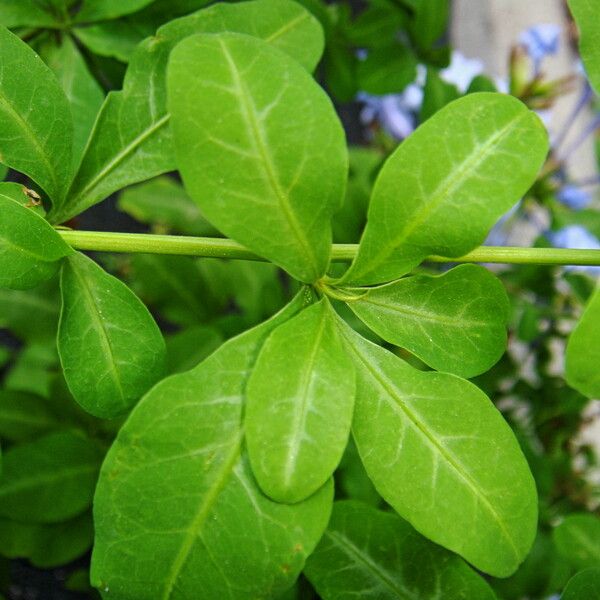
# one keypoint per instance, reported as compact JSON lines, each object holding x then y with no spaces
{"x":50,"y":479}
{"x":577,"y":540}
{"x":110,"y":348}
{"x":374,"y":555}
{"x":24,"y":416}
{"x":47,"y":546}
{"x":455,"y":322}
{"x":36,"y":129}
{"x":177,"y":511}
{"x":585,"y":13}
{"x":442,"y":456}
{"x":442,"y":198}
{"x":583,"y":586}
{"x":299,"y":405}
{"x":103,"y":10}
{"x":583,"y":351}
{"x":83,"y":92}
{"x":25,"y":13}
{"x":131,"y":140}
{"x":30,"y":249}
{"x":258,"y":174}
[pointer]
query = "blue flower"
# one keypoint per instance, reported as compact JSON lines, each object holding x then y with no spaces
{"x":576,"y":237}
{"x":573,"y":196}
{"x":396,"y":113}
{"x":540,"y":41}
{"x":461,"y":71}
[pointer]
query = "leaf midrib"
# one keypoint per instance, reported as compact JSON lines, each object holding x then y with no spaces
{"x":30,"y":134}
{"x":255,"y":133}
{"x":104,"y":337}
{"x":452,"y":460}
{"x":362,"y":558}
{"x":219,"y":483}
{"x":445,"y":188}
{"x":300,"y":415}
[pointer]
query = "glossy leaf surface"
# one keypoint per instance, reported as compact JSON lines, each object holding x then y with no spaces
{"x":30,"y":250}
{"x":585,"y":13}
{"x":110,"y":348}
{"x":375,"y":555}
{"x":278,"y":134}
{"x":583,"y":586}
{"x":577,"y":540}
{"x":448,"y":183}
{"x":441,"y":454}
{"x":36,"y":129}
{"x":132,"y":139}
{"x":50,"y":479}
{"x":299,"y":406}
{"x":583,"y":351}
{"x":176,"y":500}
{"x":455,"y":322}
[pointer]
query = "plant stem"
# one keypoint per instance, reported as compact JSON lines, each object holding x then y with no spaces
{"x":100,"y":241}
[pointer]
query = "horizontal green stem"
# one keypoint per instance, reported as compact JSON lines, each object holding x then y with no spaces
{"x":100,"y":241}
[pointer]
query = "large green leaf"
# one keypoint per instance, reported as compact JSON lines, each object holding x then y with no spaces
{"x":583,"y":586}
{"x":177,"y":512}
{"x":30,"y":249}
{"x":577,"y":540}
{"x":132,"y":140}
{"x":299,"y":406}
{"x":374,"y":555}
{"x":585,"y":13}
{"x":36,"y":129}
{"x":455,"y":322}
{"x":83,"y":92}
{"x":50,"y":479}
{"x":441,"y":454}
{"x":264,"y":157}
{"x":110,"y":348}
{"x":448,"y":183}
{"x":583,"y":351}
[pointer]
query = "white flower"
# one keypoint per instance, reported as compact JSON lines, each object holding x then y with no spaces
{"x":461,"y":71}
{"x":540,"y":41}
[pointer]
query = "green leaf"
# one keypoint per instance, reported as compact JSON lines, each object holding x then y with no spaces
{"x":103,"y":10}
{"x":110,"y":348}
{"x":47,"y":546}
{"x":258,"y":175}
{"x":32,"y":369}
{"x":583,"y":586}
{"x":36,"y":129}
{"x":430,"y":22}
{"x":442,"y":456}
{"x":433,"y":198}
{"x":583,"y":351}
{"x":30,"y":249}
{"x":83,"y":92}
{"x":31,"y":314}
{"x":387,"y":70}
{"x":25,"y":13}
{"x":374,"y":555}
{"x":132,"y":140}
{"x":24,"y":416}
{"x":577,"y":540}
{"x":299,"y":405}
{"x":189,"y":347}
{"x":436,"y":94}
{"x":585,"y":13}
{"x":164,"y":204}
{"x":50,"y":479}
{"x":177,"y":511}
{"x":454,"y":322}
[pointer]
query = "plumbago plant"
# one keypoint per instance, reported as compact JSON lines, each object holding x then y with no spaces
{"x":218,"y":480}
